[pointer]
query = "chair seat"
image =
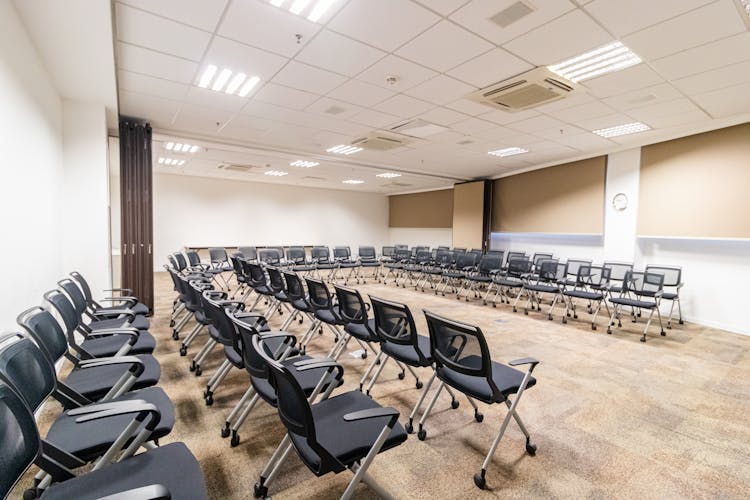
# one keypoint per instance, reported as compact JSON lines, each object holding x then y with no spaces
{"x":348,"y":265}
{"x":307,"y":379}
{"x":413,"y":268}
{"x":369,"y":264}
{"x":301,"y":305}
{"x":325,"y":266}
{"x":171,"y":465}
{"x":506,"y":379}
{"x":481,"y":278}
{"x":91,"y":439}
{"x":282,"y":296}
{"x":137,"y":309}
{"x":362,"y":332}
{"x":233,"y":356}
{"x":641,"y":304}
{"x":326,"y":316}
{"x":302,"y":269}
{"x":582,"y":294}
{"x":669,"y":295}
{"x":108,"y":346}
{"x":94,"y":383}
{"x":347,"y":441}
{"x":541,"y":288}
{"x":407,"y":354}
{"x":508,"y":283}
{"x":393,"y":265}
{"x":433,"y":271}
{"x":139,"y":322}
{"x":454,"y":274}
{"x":263,"y":290}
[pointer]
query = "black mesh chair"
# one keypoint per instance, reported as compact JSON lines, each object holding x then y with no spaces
{"x":573,"y":266}
{"x":327,"y":311}
{"x":194,"y":290}
{"x":368,"y":259}
{"x":511,"y":279}
{"x":433,"y":271}
{"x":394,"y":267}
{"x":590,"y":285}
{"x":96,"y":379}
{"x":220,"y":264}
{"x":320,"y":257}
{"x":26,"y":369}
{"x":248,"y":253}
{"x":453,"y":276}
{"x":489,"y":265}
{"x":672,"y":284}
{"x":342,"y":432}
{"x":297,"y":259}
{"x":119,"y":302}
{"x":462,"y":361}
{"x":270,"y":256}
{"x":548,"y":279}
{"x":538,"y":258}
{"x":169,"y":471}
{"x":112,"y":319}
{"x":342,"y":257}
{"x":617,"y":273}
{"x":387,"y":253}
{"x":259,"y":283}
{"x":513,"y":255}
{"x":300,"y":301}
{"x":640,"y":290}
{"x":414,"y":267}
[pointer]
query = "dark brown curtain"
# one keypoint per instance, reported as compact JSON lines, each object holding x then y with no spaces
{"x":136,"y":210}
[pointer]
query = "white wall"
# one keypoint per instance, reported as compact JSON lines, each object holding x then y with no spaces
{"x":31,"y":172}
{"x":415,"y":236}
{"x":85,"y":206}
{"x":197,"y":211}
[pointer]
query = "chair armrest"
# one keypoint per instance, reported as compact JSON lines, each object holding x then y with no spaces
{"x":680,"y":285}
{"x":125,"y":298}
{"x":240,"y":305}
{"x":313,"y":361}
{"x":114,"y":312}
{"x":658,"y":294}
{"x":319,"y":364}
{"x":525,"y":361}
{"x":97,"y":407}
{"x":258,"y":316}
{"x":130,"y":291}
{"x":119,"y":360}
{"x":144,"y":408}
{"x":150,"y":492}
{"x":265,"y":336}
{"x":115,"y":331}
{"x":100,"y":334}
{"x":371,"y":413}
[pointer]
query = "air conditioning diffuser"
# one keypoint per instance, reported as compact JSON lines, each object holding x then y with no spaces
{"x":528,"y":90}
{"x":379,"y":142}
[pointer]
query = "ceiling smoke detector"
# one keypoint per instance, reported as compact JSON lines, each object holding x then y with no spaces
{"x":391,"y":79}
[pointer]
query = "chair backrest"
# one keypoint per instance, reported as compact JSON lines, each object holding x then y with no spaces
{"x":269,"y":256}
{"x":217,"y":255}
{"x":249,"y":253}
{"x":401,"y":247}
{"x":539,"y":257}
{"x":402,"y":254}
{"x":295,"y":290}
{"x":466,"y":259}
{"x":74,"y":294}
{"x":596,"y":276}
{"x":193,"y":257}
{"x":547,"y":269}
{"x":85,"y":288}
{"x":672,"y":274}
{"x":215,"y":310}
{"x":296,"y":255}
{"x":173,"y":262}
{"x":618,"y":270}
{"x":518,"y":266}
{"x":501,"y":253}
{"x":257,"y":275}
{"x":423,"y":255}
{"x":352,"y":306}
{"x":394,"y":323}
{"x":26,"y":369}
{"x":275,"y":281}
{"x":514,"y":255}
{"x":46,"y":332}
{"x":575,"y":264}
{"x":19,"y":439}
{"x":388,"y":251}
{"x":367,"y":254}
{"x":342,"y":253}
{"x":490,"y":262}
{"x":65,"y":309}
{"x":235,"y":259}
{"x":459,"y":250}
{"x":443,"y":256}
{"x":181,"y":261}
{"x":459,"y":347}
{"x":641,"y":282}
{"x":320,"y":296}
{"x":320,"y":254}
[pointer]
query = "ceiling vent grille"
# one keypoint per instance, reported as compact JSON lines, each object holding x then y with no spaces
{"x":528,"y":90}
{"x":234,"y":167}
{"x":515,"y":12}
{"x":379,"y":142}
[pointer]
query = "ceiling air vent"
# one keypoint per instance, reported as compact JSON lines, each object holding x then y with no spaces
{"x":379,"y":142}
{"x":313,"y":178}
{"x":528,"y":90}
{"x":234,"y":167}
{"x":515,"y":12}
{"x":400,"y":184}
{"x":418,"y":128}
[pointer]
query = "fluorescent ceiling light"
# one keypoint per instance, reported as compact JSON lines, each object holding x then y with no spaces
{"x":193,"y":149}
{"x":185,"y":148}
{"x":277,"y":3}
{"x":628,"y":128}
{"x":320,"y":8}
{"x":611,"y":57}
{"x":170,"y":161}
{"x":178,"y":146}
{"x":170,"y":145}
{"x":298,"y":5}
{"x":207,"y":76}
{"x":275,"y":173}
{"x":344,"y":149}
{"x":221,"y":80}
{"x":181,"y":162}
{"x":252,"y":82}
{"x":304,"y":163}
{"x":235,"y":83}
{"x":161,"y":160}
{"x":507,"y":152}
{"x":353,"y":181}
{"x":388,"y":175}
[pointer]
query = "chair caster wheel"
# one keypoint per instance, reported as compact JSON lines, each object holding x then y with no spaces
{"x":260,"y":491}
{"x":564,"y":320}
{"x":663,"y":333}
{"x":320,"y":331}
{"x":514,"y":309}
{"x":478,"y":416}
{"x":367,"y":393}
{"x":479,"y":481}
{"x":593,"y":327}
{"x":235,"y":439}
{"x":531,"y":449}
{"x":401,"y":375}
{"x":364,"y":355}
{"x":526,"y":312}
{"x":609,"y":331}
{"x":192,"y":366}
{"x":643,"y":339}
{"x":484,"y":302}
{"x":30,"y":494}
{"x":209,"y":400}
{"x":409,"y":428}
{"x":171,"y":323}
{"x":619,"y":324}
{"x":454,"y":404}
{"x":681,"y":322}
{"x":198,"y":371}
{"x":575,"y":316}
{"x":422,"y":434}
{"x":494,"y":305}
{"x":183,"y":351}
{"x":377,"y":362}
{"x":549,"y":317}
{"x":419,"y":384}
{"x":175,"y":335}
{"x":225,"y":431}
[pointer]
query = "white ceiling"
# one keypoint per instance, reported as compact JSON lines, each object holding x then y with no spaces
{"x":695,"y":76}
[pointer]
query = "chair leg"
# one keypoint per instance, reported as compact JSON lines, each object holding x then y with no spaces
{"x":241,"y":420}
{"x":422,"y":433}
{"x":377,"y":374}
{"x":250,"y":392}
{"x":216,"y":380}
{"x":260,"y":490}
{"x":369,"y":370}
{"x":415,"y":410}
{"x":648,"y":323}
{"x":361,"y":469}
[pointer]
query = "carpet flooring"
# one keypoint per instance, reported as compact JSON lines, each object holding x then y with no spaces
{"x":612,"y":417}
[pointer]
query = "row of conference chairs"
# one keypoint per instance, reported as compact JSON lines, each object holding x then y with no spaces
{"x":334,"y":431}
{"x":105,"y":442}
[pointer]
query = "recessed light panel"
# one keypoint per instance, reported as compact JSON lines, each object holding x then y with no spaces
{"x":181,"y":147}
{"x":227,"y":81}
{"x":628,"y":128}
{"x":508,"y":152}
{"x":311,"y":9}
{"x":353,"y":181}
{"x":388,"y":175}
{"x":611,"y":57}
{"x":171,"y":161}
{"x":304,"y":163}
{"x":344,"y":149}
{"x":276,"y":173}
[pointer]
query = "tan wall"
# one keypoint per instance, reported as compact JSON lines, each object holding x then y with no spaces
{"x":567,"y":199}
{"x":468,"y":211}
{"x":428,"y":209}
{"x":697,"y":186}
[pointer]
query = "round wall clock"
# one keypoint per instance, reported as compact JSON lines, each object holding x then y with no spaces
{"x":620,"y":202}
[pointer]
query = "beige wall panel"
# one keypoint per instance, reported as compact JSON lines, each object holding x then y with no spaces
{"x":697,"y":186}
{"x":468,"y":208}
{"x":428,"y":209}
{"x":567,"y":199}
